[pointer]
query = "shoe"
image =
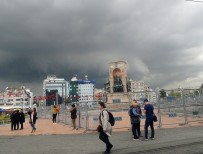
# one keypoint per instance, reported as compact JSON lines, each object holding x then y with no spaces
{"x":110,"y":148}
{"x":151,"y":138}
{"x":145,"y":139}
{"x":135,"y":139}
{"x":105,"y":152}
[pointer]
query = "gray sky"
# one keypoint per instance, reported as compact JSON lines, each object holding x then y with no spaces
{"x":161,"y":40}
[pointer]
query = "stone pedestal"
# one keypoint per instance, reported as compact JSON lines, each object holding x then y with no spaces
{"x":117,"y":98}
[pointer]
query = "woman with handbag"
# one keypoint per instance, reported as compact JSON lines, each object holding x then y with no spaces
{"x":104,"y":128}
{"x":33,"y":119}
{"x":73,"y":112}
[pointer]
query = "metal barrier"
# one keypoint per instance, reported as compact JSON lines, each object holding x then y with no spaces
{"x":181,"y":110}
{"x":4,"y":122}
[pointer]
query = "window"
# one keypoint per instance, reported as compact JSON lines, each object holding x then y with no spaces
{"x":116,"y":100}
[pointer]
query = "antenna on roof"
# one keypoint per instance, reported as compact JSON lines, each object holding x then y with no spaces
{"x":86,"y":77}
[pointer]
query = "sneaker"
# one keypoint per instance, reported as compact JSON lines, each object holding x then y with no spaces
{"x":145,"y":139}
{"x":135,"y":139}
{"x":151,"y":138}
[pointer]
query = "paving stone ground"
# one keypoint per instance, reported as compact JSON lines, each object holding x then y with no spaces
{"x":61,"y":139}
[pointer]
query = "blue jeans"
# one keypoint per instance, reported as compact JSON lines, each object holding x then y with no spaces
{"x":149,"y":122}
{"x":33,"y":126}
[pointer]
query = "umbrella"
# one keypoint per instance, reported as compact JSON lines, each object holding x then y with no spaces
{"x":2,"y":110}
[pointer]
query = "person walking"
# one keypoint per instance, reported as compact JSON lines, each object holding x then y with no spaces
{"x":149,"y":112}
{"x":22,"y":119}
{"x":73,"y":112}
{"x":54,"y":110}
{"x":33,"y":119}
{"x":106,"y":128}
{"x":135,"y":120}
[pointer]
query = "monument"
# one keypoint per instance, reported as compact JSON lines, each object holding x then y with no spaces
{"x":116,"y":86}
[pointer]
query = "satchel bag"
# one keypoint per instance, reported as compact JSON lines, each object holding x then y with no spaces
{"x":155,"y":118}
{"x":99,"y":128}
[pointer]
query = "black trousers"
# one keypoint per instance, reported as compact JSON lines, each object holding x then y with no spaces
{"x":13,"y":126}
{"x":17,"y":125}
{"x":21,"y":125}
{"x":105,"y":139}
{"x":136,"y":130}
{"x":149,"y":122}
{"x":54,"y":118}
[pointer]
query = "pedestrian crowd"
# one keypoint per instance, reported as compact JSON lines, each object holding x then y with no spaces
{"x":105,"y":125}
{"x":17,"y":120}
{"x":105,"y":128}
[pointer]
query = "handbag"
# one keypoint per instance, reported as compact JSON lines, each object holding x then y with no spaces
{"x":99,"y":128}
{"x":155,"y":118}
{"x":30,"y":121}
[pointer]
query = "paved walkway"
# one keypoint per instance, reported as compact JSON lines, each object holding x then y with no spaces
{"x":44,"y":127}
{"x":186,"y":140}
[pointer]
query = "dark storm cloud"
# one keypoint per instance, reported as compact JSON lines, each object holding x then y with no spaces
{"x":160,"y":40}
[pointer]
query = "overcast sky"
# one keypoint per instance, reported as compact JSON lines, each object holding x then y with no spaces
{"x":161,"y":40}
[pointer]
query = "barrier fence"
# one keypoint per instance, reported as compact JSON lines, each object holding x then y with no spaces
{"x":184,"y":109}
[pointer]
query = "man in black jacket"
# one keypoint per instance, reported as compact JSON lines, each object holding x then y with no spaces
{"x":17,"y":119}
{"x":12,"y":117}
{"x":22,"y":118}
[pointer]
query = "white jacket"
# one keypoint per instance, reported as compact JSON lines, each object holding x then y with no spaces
{"x":107,"y":128}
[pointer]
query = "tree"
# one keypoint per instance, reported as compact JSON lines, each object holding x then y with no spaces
{"x":162,"y":93}
{"x":175,"y":94}
{"x":68,"y":101}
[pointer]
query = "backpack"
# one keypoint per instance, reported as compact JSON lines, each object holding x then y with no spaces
{"x":111,"y":118}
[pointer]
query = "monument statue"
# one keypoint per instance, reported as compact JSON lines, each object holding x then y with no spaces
{"x":118,"y":85}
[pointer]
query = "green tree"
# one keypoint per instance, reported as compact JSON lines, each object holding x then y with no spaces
{"x":162,"y":93}
{"x":67,"y":101}
{"x":175,"y":94}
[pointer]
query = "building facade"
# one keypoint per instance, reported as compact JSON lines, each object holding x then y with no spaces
{"x":60,"y":85}
{"x":86,"y":91}
{"x":139,"y":90}
{"x":21,"y":97}
{"x":82,"y":91}
{"x":73,"y":91}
